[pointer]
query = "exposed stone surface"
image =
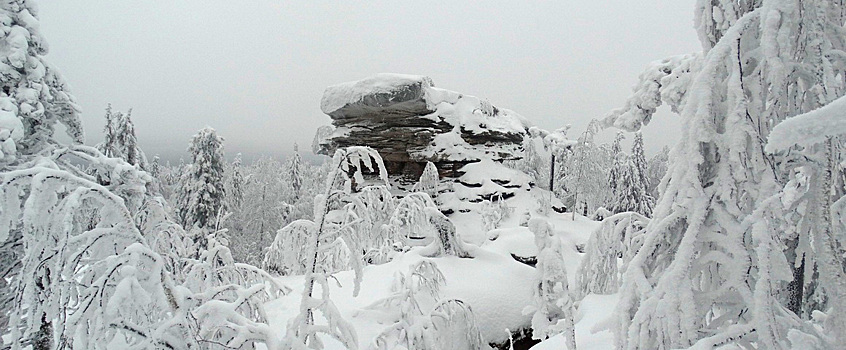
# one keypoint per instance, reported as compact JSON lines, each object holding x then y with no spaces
{"x":409,"y":122}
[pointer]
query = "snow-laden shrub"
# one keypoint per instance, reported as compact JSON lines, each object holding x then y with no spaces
{"x":227,"y":299}
{"x":553,"y":310}
{"x":282,"y":257}
{"x":617,"y":236}
{"x":372,"y":208}
{"x":446,"y":241}
{"x":87,"y":278}
{"x":494,"y":211}
{"x":429,"y":181}
{"x":450,"y":324}
{"x":409,"y":218}
{"x":348,"y":165}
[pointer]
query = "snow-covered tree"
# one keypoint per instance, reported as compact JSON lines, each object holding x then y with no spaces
{"x":630,"y":193}
{"x":295,"y":173}
{"x":656,"y":169}
{"x":813,"y":136}
{"x":619,"y":165}
{"x":372,"y":209}
{"x":429,"y":181}
{"x":254,"y":223}
{"x":119,"y":140}
{"x":33,"y":95}
{"x":640,"y":178}
{"x":619,"y":235}
{"x":282,"y":257}
{"x":446,"y":241}
{"x":410,"y":219}
{"x":583,"y":172}
{"x":235,"y":190}
{"x":494,"y":211}
{"x":553,"y":310}
{"x":202,"y":192}
{"x":706,"y":272}
{"x":348,"y":166}
{"x":628,"y":180}
{"x":109,"y":147}
{"x":155,"y":166}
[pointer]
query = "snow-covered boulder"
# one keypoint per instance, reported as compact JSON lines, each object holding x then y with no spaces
{"x":410,"y":121}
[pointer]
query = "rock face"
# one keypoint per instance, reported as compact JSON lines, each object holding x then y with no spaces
{"x":409,"y":121}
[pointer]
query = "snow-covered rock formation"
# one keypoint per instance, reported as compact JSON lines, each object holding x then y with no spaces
{"x":410,"y":121}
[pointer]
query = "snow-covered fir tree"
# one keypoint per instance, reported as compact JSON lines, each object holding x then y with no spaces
{"x":119,"y":140}
{"x":631,"y":182}
{"x":202,"y":191}
{"x":33,"y":95}
{"x":295,"y":174}
{"x":619,"y":165}
{"x":109,"y":146}
{"x":235,"y":190}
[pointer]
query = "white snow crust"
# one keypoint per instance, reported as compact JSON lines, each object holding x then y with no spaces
{"x":810,"y":128}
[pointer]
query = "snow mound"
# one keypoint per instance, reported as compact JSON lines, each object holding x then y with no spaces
{"x":495,"y":286}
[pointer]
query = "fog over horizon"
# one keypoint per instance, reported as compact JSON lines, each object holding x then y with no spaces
{"x":256,"y":72}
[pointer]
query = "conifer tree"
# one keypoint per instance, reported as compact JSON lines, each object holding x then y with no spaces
{"x":202,"y":192}
{"x":126,"y":140}
{"x":630,"y":192}
{"x":119,"y":140}
{"x":618,"y":165}
{"x":33,"y":95}
{"x":109,"y":146}
{"x":294,"y":172}
{"x":236,"y":187}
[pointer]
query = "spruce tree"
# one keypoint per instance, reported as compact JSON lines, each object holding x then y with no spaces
{"x":236,"y":187}
{"x":202,"y":191}
{"x":119,"y":140}
{"x":631,"y":190}
{"x":294,"y":172}
{"x":126,"y":140}
{"x":33,"y":95}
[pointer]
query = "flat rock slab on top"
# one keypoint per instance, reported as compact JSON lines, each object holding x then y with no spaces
{"x":408,"y":120}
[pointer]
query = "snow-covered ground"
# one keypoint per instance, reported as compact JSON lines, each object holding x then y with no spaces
{"x":496,"y":286}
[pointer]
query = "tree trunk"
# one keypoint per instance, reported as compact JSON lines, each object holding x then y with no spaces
{"x":795,"y":290}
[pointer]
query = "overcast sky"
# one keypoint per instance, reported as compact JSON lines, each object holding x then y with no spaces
{"x":256,"y":70}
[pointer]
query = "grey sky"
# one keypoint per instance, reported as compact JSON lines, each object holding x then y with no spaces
{"x":255,"y":70}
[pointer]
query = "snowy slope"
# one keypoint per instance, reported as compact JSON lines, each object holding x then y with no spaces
{"x":495,"y":285}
